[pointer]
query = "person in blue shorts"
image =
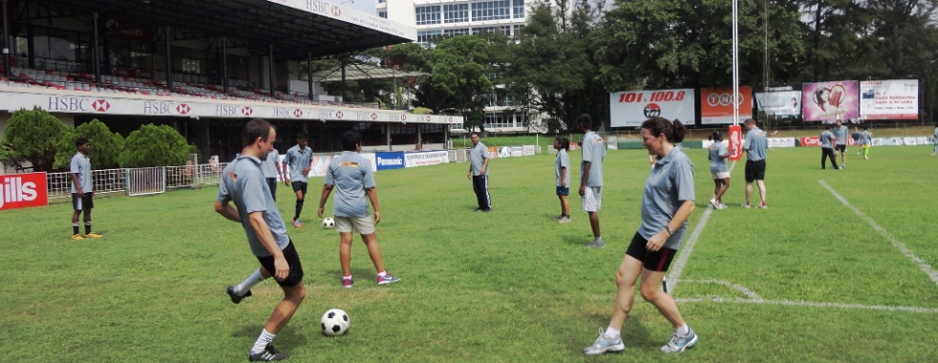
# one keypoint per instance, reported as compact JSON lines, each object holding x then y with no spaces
{"x":667,"y":202}
{"x":299,"y":158}
{"x":243,"y":183}
{"x":562,"y":172}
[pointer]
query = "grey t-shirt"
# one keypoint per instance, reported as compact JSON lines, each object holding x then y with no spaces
{"x":669,"y":185}
{"x":866,"y":138}
{"x":826,"y":139}
{"x":270,"y":165}
{"x":81,"y":165}
{"x":243,"y":183}
{"x":351,"y":174}
{"x":717,"y":164}
{"x":594,"y":151}
{"x":841,"y":134}
{"x":298,"y":160}
{"x":756,"y":143}
{"x":562,"y":160}
{"x":477,"y":157}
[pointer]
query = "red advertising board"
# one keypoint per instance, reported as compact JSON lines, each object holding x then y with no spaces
{"x":23,"y":190}
{"x":816,"y":141}
{"x":716,"y":105}
{"x":736,"y":143}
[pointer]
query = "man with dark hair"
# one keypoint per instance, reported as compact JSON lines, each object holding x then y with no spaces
{"x":827,"y":147}
{"x":479,"y":173}
{"x":591,"y":176}
{"x":243,"y":183}
{"x":299,"y":158}
{"x":351,"y":175}
{"x":755,"y":145}
{"x":82,"y":189}
{"x":840,"y":132}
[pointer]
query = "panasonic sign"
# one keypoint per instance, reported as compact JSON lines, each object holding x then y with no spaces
{"x":386,"y":161}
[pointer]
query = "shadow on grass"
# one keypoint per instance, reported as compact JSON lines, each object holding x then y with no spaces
{"x":287,"y":339}
{"x":635,"y":336}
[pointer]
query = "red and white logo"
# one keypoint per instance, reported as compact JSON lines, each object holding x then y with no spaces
{"x":403,"y":117}
{"x":23,"y":190}
{"x":449,"y":119}
{"x":298,"y":113}
{"x":428,"y":118}
{"x":247,"y":111}
{"x":811,"y":141}
{"x":183,"y":109}
{"x":736,"y":143}
{"x":338,"y":114}
{"x":336,"y":11}
{"x":100,"y":105}
{"x":374,"y":116}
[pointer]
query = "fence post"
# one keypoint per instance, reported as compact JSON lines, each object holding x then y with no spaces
{"x":127,"y":182}
{"x":163,"y":178}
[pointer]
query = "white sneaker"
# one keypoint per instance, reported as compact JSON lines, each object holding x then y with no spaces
{"x":722,"y":206}
{"x":713,"y":202}
{"x":680,"y":343}
{"x":604,"y":344}
{"x":745,"y":205}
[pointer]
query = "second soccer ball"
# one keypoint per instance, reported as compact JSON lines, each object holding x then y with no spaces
{"x":328,"y":223}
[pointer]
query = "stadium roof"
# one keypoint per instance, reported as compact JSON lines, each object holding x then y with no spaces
{"x":294,"y":27}
{"x":363,"y":71}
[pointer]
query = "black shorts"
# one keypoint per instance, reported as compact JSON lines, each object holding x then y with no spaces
{"x":85,"y":202}
{"x":841,"y":148}
{"x":272,"y":185}
{"x":755,"y":170}
{"x":299,"y":186}
{"x":655,"y":261}
{"x":293,"y":260}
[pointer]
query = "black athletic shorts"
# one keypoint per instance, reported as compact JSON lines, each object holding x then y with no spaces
{"x":298,"y":186}
{"x":842,"y":148}
{"x":85,"y":202}
{"x":293,"y":260}
{"x":755,"y":170}
{"x":655,"y":261}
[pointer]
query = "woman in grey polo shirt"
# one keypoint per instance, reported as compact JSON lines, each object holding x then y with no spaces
{"x":667,"y":202}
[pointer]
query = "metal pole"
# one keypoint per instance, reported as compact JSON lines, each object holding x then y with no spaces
{"x":343,"y":94}
{"x":224,"y":64}
{"x":31,"y":44}
{"x":6,"y":42}
{"x":735,"y":62}
{"x":270,"y":70}
{"x":309,"y":74}
{"x":96,"y":54}
{"x":169,"y":61}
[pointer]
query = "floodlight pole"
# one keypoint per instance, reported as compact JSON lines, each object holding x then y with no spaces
{"x":96,"y":53}
{"x":270,"y":70}
{"x":169,"y":60}
{"x":309,"y":74}
{"x":735,"y":62}
{"x":224,"y":64}
{"x":343,"y":93}
{"x":6,"y":43}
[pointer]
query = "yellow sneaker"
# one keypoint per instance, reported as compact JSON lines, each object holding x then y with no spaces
{"x":77,"y":237}
{"x":93,"y":235}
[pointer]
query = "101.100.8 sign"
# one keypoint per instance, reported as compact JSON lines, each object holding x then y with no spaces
{"x":659,"y":96}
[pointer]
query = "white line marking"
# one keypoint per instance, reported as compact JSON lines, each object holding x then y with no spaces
{"x":676,"y":270}
{"x":717,"y":299}
{"x":752,"y":296}
{"x":930,"y":271}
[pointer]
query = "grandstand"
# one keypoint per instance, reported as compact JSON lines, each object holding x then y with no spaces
{"x":202,"y":67}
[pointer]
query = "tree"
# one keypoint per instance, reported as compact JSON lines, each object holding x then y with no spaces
{"x":32,"y":136}
{"x":153,"y":145}
{"x":106,"y":146}
{"x":459,"y":72}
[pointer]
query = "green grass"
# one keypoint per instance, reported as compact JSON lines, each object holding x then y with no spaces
{"x":510,"y":286}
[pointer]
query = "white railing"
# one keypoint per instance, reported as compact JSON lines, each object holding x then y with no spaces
{"x":59,"y":185}
{"x":139,"y":181}
{"x":146,"y":181}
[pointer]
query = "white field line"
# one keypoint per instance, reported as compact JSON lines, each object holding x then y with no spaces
{"x":676,"y":270}
{"x":717,"y":299}
{"x":751,"y":295}
{"x":928,"y":269}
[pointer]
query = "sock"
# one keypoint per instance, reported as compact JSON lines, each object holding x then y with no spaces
{"x":383,"y":273}
{"x":87,"y":227}
{"x":262,"y":341}
{"x":612,"y":332}
{"x":349,"y":277}
{"x":299,"y":209}
{"x":683,"y":330}
{"x":246,"y":285}
{"x":600,"y":239}
{"x":74,"y":228}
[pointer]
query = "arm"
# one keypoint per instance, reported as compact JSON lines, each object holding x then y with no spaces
{"x":310,"y":166}
{"x":227,"y":211}
{"x":77,"y":184}
{"x":657,"y":241}
{"x":326,"y":190}
{"x":585,"y":177}
{"x":485,"y":165}
{"x":563,"y":176}
{"x":373,"y":197}
{"x":286,"y":177}
{"x":267,"y":239}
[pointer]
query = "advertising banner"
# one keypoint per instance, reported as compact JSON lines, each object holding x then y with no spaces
{"x":830,"y":101}
{"x":716,"y":106}
{"x":735,"y":142}
{"x":889,"y":100}
{"x":504,"y":151}
{"x":388,"y":161}
{"x":631,"y":108}
{"x":320,"y":165}
{"x":816,"y":141}
{"x":530,"y":150}
{"x":371,"y":158}
{"x":425,"y":158}
{"x":780,"y":104}
{"x":517,"y":151}
{"x":781,"y":142}
{"x":23,"y":190}
{"x":493,"y":152}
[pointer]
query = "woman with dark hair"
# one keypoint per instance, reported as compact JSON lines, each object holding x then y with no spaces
{"x":562,"y":171}
{"x":667,"y":202}
{"x":718,"y":170}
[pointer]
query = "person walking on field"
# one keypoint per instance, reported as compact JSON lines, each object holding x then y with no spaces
{"x":934,"y":149}
{"x":82,"y":189}
{"x":591,"y":176}
{"x":755,"y":145}
{"x":562,"y":171}
{"x":667,"y":203}
{"x":840,"y":144}
{"x":718,"y":169}
{"x":866,"y":142}
{"x":243,"y":183}
{"x":272,"y":171}
{"x":350,"y":175}
{"x":827,"y":147}
{"x":300,"y":160}
{"x":479,"y":173}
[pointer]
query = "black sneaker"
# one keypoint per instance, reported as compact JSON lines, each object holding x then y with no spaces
{"x":268,"y":355}
{"x":235,"y":298}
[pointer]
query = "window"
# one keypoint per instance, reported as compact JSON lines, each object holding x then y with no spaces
{"x":428,"y":15}
{"x":191,"y":66}
{"x":428,"y":36}
{"x":455,"y":32}
{"x":505,"y":29}
{"x":456,"y":13}
{"x":491,"y":10}
{"x":498,"y":120}
{"x":517,"y":30}
{"x":383,"y":14}
{"x":518,"y":9}
{"x":489,"y":29}
{"x":382,"y":1}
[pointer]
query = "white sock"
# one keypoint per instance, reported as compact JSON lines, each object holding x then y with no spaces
{"x":349,"y":277}
{"x":600,"y":239}
{"x":383,"y":273}
{"x":249,"y":282}
{"x":262,"y":341}
{"x":683,"y":330}
{"x":612,"y":332}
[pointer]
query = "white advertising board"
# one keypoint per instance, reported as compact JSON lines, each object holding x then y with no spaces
{"x":631,"y":108}
{"x":889,"y":100}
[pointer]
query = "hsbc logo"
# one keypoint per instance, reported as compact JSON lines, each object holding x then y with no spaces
{"x":247,"y":111}
{"x":101,"y":105}
{"x":336,"y":11}
{"x":297,"y":113}
{"x":723,"y":99}
{"x":338,"y":114}
{"x":374,"y":116}
{"x":183,"y":109}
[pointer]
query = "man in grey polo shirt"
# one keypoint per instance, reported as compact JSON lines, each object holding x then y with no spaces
{"x":591,"y":176}
{"x":350,"y":175}
{"x":82,"y":189}
{"x":299,"y":158}
{"x":827,"y":147}
{"x":755,"y":145}
{"x":243,"y":183}
{"x":479,"y":173}
{"x":272,"y":171}
{"x":841,"y":132}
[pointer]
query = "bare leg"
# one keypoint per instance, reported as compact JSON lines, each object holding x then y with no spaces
{"x":371,"y":241}
{"x":761,"y":189}
{"x":748,"y":191}
{"x":594,"y":223}
{"x":651,"y":292}
{"x":345,"y":252}
{"x":626,"y":275}
{"x":725,"y":185}
{"x":292,"y":298}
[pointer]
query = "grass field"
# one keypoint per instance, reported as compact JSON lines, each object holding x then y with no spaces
{"x":807,"y":280}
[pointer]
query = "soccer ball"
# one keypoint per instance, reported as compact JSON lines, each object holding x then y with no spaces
{"x":334,"y":322}
{"x":328,"y":223}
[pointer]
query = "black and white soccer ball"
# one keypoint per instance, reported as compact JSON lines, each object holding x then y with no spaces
{"x":334,"y":322}
{"x":328,"y":223}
